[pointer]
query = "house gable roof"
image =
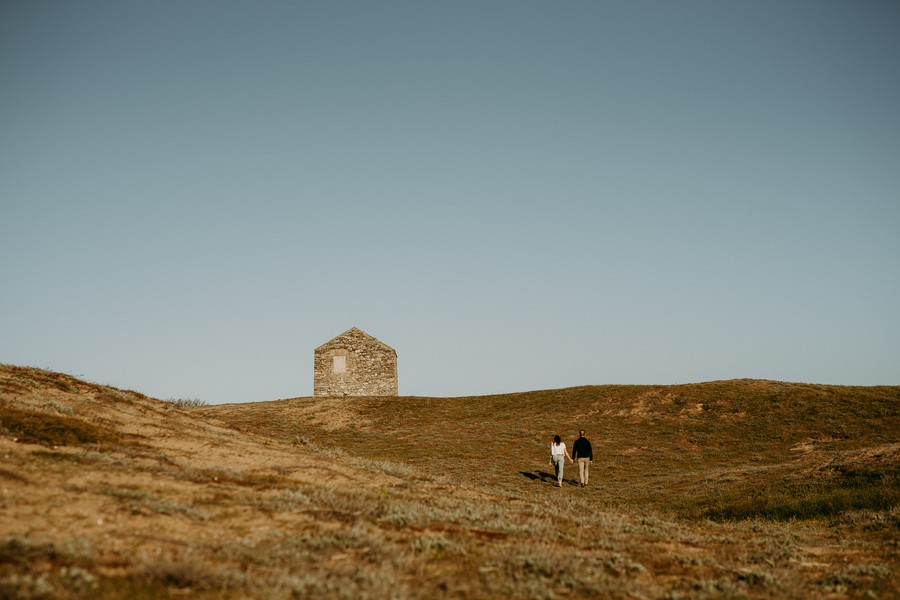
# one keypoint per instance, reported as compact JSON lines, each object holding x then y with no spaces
{"x":350,"y":332}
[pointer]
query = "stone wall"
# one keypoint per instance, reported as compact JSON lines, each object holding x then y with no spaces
{"x":355,"y":364}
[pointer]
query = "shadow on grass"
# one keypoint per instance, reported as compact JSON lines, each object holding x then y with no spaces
{"x":544,"y":477}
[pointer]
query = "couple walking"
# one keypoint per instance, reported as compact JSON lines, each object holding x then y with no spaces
{"x":582,"y":452}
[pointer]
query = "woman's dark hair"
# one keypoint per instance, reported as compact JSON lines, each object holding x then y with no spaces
{"x":556,"y":440}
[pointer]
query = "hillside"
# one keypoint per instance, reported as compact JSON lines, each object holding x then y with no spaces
{"x":694,"y":450}
{"x":728,"y":489}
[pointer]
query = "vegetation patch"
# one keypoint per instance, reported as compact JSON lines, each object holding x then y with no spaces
{"x":188,"y":573}
{"x":224,"y":476}
{"x":22,"y":553}
{"x":140,"y":501}
{"x":187,"y":402}
{"x":30,"y":427}
{"x":78,"y":457}
{"x":808,"y":501}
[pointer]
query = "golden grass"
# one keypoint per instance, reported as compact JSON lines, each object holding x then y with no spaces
{"x":451,"y":498}
{"x":719,"y":450}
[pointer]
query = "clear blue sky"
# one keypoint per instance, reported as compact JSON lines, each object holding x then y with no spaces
{"x":514,"y":195}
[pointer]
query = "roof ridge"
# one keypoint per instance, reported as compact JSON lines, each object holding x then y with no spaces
{"x":358,"y":330}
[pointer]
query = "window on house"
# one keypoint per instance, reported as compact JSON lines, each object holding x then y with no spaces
{"x":339,"y":365}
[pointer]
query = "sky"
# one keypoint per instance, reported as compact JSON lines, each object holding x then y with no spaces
{"x":514,"y":195}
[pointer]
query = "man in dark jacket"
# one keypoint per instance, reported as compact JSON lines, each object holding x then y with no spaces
{"x":584,"y":456}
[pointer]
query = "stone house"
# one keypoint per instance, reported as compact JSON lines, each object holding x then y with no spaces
{"x":354,"y":364}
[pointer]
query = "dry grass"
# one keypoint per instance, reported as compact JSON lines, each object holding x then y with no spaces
{"x":720,"y":450}
{"x":731,"y":489}
{"x":30,"y":427}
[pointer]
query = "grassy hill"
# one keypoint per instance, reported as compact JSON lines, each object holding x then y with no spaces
{"x":744,"y":489}
{"x":729,"y":449}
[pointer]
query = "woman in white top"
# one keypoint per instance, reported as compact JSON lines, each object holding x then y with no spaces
{"x":558,"y":456}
